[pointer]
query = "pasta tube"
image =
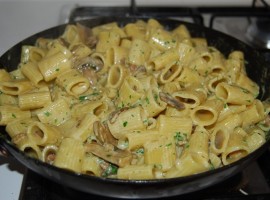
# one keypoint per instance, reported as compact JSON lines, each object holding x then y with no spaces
{"x":73,"y":82}
{"x":9,"y":113}
{"x":133,"y":172}
{"x":234,"y":94}
{"x":70,"y":155}
{"x":51,"y":66}
{"x":236,"y":148}
{"x":190,"y":97}
{"x":131,"y":119}
{"x":207,"y":113}
{"x":43,"y":134}
{"x":15,"y":87}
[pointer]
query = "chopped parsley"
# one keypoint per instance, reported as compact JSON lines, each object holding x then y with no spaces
{"x":245,"y":90}
{"x":145,"y":121}
{"x":156,"y":97}
{"x":169,"y":144}
{"x":47,"y":113}
{"x":86,"y":97}
{"x":125,"y":123}
{"x":110,"y":170}
{"x":140,"y":151}
{"x":211,"y":166}
{"x":180,"y":137}
{"x":147,"y":100}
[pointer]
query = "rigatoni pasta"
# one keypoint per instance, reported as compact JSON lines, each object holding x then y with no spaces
{"x":132,"y":102}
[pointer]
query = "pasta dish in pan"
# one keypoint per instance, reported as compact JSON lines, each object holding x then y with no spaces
{"x":132,"y":102}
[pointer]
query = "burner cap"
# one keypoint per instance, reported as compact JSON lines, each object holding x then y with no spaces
{"x":258,"y":33}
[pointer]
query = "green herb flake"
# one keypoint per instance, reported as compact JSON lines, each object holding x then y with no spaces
{"x":125,"y":123}
{"x":140,"y":151}
{"x":156,"y":97}
{"x":85,"y":97}
{"x":245,"y":90}
{"x":147,"y":100}
{"x":180,"y":137}
{"x":47,"y":113}
{"x":110,"y":170}
{"x":169,"y":144}
{"x":82,"y":98}
{"x":211,"y":166}
{"x":13,"y":115}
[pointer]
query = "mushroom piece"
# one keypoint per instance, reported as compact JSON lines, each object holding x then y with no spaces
{"x":103,"y":134}
{"x":63,"y":42}
{"x":49,"y":153}
{"x":118,"y":157}
{"x":136,"y":70}
{"x":90,"y":75}
{"x":267,"y":121}
{"x":89,"y":63}
{"x":171,"y":101}
{"x":89,"y":66}
{"x":86,"y":35}
{"x":114,"y":115}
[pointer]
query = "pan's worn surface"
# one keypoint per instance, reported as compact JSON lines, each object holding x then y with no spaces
{"x":257,"y":69}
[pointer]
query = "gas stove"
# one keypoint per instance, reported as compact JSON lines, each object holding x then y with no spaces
{"x":248,"y":21}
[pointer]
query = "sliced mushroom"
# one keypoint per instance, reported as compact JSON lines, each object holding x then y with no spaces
{"x":89,"y":63}
{"x":89,"y":66}
{"x":136,"y":70}
{"x":267,"y":121}
{"x":49,"y":153}
{"x":90,"y":75}
{"x":114,"y":115}
{"x":63,"y":42}
{"x":171,"y":101}
{"x":86,"y":35}
{"x":108,"y":169}
{"x":103,"y":134}
{"x":118,"y":157}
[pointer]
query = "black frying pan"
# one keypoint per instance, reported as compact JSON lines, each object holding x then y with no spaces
{"x":257,"y":69}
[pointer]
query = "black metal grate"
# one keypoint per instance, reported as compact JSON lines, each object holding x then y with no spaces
{"x":86,"y":12}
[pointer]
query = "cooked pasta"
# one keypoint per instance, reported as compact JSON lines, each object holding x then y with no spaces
{"x":132,"y":102}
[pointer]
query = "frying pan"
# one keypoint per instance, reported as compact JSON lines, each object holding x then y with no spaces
{"x":257,"y":69}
